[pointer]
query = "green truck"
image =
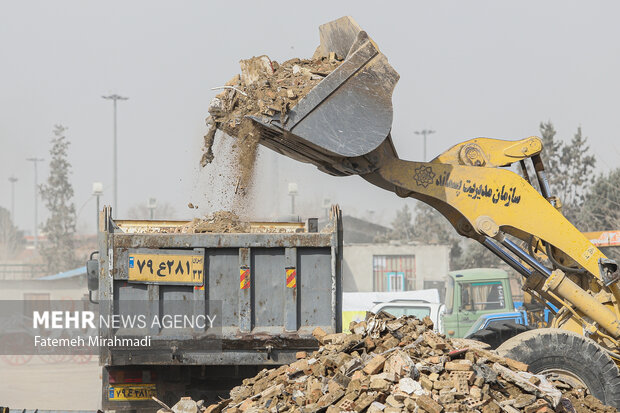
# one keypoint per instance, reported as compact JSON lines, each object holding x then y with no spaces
{"x":472,"y":293}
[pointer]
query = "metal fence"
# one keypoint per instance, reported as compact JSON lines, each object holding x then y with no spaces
{"x":21,"y":271}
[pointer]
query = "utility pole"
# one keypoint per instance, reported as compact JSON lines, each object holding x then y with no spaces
{"x":36,"y":202}
{"x":114,"y":98}
{"x":424,"y":132}
{"x":12,"y":180}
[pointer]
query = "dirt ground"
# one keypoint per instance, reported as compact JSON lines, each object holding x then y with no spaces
{"x":59,"y":386}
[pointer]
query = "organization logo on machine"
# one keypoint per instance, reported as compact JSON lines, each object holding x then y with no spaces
{"x":423,"y":176}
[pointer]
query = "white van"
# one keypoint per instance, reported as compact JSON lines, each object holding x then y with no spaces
{"x":419,"y":303}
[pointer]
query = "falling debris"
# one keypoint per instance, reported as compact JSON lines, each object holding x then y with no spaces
{"x":395,"y":365}
{"x":207,"y":156}
{"x":264,"y":88}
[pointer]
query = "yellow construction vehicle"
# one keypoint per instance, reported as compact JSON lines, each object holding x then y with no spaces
{"x":343,"y":127}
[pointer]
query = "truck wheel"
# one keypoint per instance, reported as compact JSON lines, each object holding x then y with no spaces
{"x":569,"y":356}
{"x":495,"y":335}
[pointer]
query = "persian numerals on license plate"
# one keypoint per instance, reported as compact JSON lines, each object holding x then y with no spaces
{"x":123,"y":392}
{"x":184,"y":269}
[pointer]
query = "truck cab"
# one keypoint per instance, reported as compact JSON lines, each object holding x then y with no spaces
{"x":473,"y":293}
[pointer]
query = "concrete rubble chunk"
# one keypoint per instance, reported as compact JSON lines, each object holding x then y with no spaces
{"x":379,"y":384}
{"x":255,"y":68}
{"x":396,"y":365}
{"x":408,"y":385}
{"x":186,"y":405}
{"x":376,"y":407}
{"x":458,"y":365}
{"x":375,"y":365}
{"x":399,"y":363}
{"x":428,"y":404}
{"x":524,"y":400}
{"x":319,"y":333}
{"x":434,"y":340}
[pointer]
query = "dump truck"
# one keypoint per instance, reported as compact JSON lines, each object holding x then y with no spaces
{"x":343,"y":126}
{"x":267,"y":288}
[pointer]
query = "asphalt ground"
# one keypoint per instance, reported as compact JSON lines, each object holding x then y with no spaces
{"x":63,"y":383}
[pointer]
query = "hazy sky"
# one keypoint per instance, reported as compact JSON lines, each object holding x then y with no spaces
{"x":475,"y":68}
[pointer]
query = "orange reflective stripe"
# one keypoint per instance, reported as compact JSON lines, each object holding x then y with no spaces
{"x":291,"y":277}
{"x":244,"y":278}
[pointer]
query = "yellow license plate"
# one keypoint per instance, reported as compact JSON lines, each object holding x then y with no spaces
{"x":126,"y":392}
{"x":166,"y":268}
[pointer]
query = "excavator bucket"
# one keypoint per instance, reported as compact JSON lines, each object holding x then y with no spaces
{"x":347,"y":115}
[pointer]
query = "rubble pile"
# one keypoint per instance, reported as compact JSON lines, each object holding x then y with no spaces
{"x":393,"y":365}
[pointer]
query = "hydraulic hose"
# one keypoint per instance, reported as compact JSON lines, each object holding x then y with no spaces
{"x":564,"y":268}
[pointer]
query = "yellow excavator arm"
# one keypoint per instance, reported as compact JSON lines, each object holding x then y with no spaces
{"x":343,"y":126}
{"x":498,"y":207}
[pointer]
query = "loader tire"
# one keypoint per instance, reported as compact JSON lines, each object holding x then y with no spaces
{"x":495,"y":335}
{"x":568,"y":354}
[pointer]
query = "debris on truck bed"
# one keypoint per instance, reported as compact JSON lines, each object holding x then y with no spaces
{"x":220,"y":222}
{"x":395,"y":365}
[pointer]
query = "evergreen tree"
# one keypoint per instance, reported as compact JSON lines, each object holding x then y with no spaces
{"x":601,"y":207}
{"x":430,"y":227}
{"x":569,"y":167}
{"x":11,"y":238}
{"x":58,"y":251}
{"x":476,"y":256}
{"x":402,"y":227}
{"x":551,"y":154}
{"x":578,"y":167}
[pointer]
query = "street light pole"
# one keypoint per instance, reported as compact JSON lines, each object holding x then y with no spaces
{"x":36,"y":202}
{"x":424,"y":132}
{"x":114,"y":98}
{"x":292,"y":191}
{"x":12,"y":180}
{"x":97,"y":192}
{"x":151,"y":205}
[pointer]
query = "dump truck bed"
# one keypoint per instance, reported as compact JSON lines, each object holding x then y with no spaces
{"x":269,"y":287}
